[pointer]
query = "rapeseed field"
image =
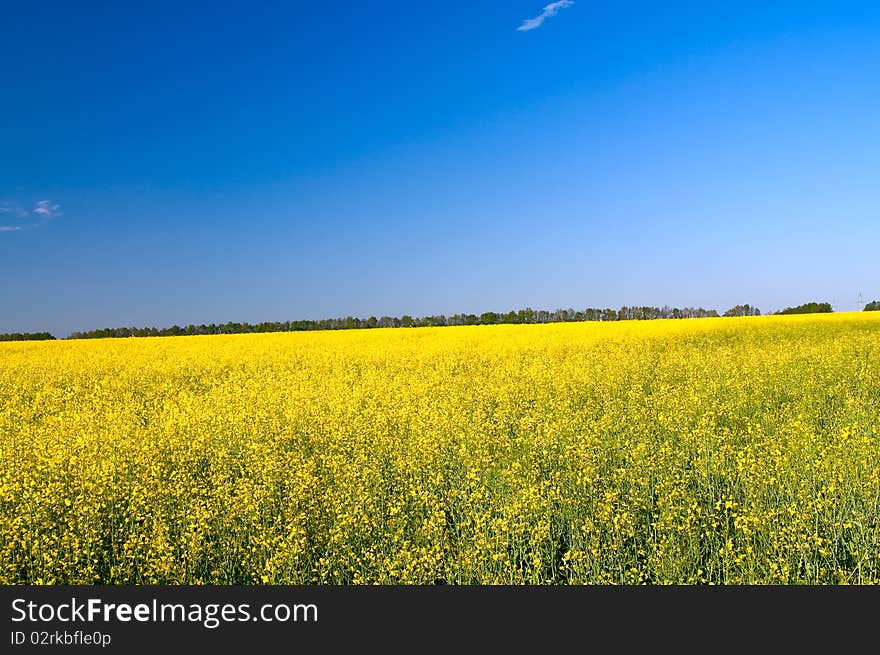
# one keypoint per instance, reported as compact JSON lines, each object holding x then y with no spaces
{"x":731,"y":451}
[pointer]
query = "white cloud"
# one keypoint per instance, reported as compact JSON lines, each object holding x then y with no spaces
{"x":44,"y":211}
{"x":47,"y":209}
{"x":11,"y":208}
{"x":549,"y":11}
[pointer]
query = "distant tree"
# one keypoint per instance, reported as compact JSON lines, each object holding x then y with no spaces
{"x":873,"y":306}
{"x":808,"y":308}
{"x":526,"y":315}
{"x":743,"y":310}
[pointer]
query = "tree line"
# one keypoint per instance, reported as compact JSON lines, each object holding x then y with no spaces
{"x":513,"y":317}
{"x":26,"y":336}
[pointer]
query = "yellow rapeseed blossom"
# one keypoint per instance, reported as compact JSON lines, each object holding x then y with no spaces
{"x":701,"y":451}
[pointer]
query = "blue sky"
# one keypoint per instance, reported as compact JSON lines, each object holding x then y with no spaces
{"x":272,"y":161}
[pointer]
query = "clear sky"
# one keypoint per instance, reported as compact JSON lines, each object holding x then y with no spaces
{"x":270,"y":161}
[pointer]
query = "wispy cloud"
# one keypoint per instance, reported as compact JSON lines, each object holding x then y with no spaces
{"x":47,"y":209}
{"x":44,"y":211}
{"x":10,"y":208}
{"x":549,"y":11}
